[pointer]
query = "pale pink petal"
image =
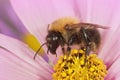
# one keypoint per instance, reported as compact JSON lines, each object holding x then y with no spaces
{"x":103,"y":12}
{"x":110,"y":37}
{"x":10,"y":24}
{"x":13,"y":68}
{"x":20,"y":61}
{"x":110,"y":49}
{"x":114,"y":71}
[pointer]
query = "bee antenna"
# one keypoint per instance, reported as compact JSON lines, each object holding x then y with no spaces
{"x":39,"y":50}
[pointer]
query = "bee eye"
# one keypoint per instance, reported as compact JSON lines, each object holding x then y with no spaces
{"x":55,"y":38}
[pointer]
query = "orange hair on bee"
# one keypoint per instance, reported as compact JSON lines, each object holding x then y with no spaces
{"x":59,"y":25}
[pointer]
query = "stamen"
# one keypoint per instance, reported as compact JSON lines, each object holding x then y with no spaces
{"x":74,"y":67}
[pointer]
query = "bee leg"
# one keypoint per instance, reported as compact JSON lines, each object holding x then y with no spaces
{"x":87,"y":42}
{"x":48,"y":50}
{"x":68,"y":50}
{"x":67,"y":54}
{"x":87,"y":51}
{"x":56,"y":54}
{"x":62,"y":42}
{"x":63,"y":50}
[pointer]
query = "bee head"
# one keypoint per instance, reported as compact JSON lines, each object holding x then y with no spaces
{"x":54,"y":39}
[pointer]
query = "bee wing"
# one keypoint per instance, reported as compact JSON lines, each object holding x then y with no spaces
{"x":79,"y":25}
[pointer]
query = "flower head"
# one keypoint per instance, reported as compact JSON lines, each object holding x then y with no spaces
{"x":74,"y":67}
{"x":16,"y":59}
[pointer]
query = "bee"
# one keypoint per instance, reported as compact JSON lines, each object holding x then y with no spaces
{"x":86,"y":35}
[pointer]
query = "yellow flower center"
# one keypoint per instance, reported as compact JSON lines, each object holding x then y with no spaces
{"x":74,"y":67}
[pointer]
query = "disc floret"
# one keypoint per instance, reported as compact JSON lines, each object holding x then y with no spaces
{"x":74,"y":67}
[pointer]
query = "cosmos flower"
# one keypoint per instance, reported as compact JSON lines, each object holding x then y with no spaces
{"x":16,"y":59}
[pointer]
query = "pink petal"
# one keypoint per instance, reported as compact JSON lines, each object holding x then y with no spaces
{"x":114,"y":71}
{"x":13,"y":68}
{"x":10,"y":24}
{"x":102,"y":12}
{"x":19,"y":61}
{"x":110,"y":46}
